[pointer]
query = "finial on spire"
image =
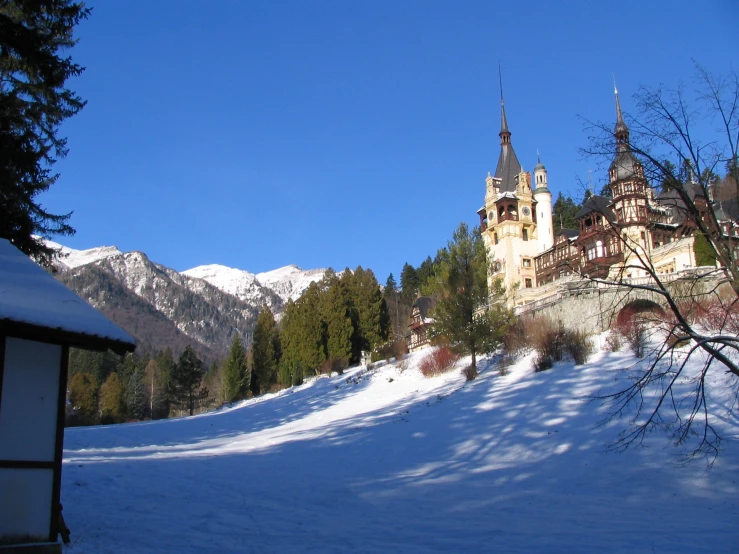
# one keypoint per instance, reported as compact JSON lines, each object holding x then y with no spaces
{"x":619,"y":115}
{"x":500,"y":82}
{"x":538,"y":157}
{"x":505,"y":134}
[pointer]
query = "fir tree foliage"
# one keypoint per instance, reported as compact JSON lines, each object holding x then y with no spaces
{"x":467,"y":316}
{"x":185,"y":379}
{"x":564,"y":211}
{"x":235,"y":374}
{"x":34,"y":102}
{"x":266,"y":351}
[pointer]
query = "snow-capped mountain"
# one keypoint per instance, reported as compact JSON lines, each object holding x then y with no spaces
{"x":290,"y":282}
{"x":69,"y":257}
{"x":206,"y":304}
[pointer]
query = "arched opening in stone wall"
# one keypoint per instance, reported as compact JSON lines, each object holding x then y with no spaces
{"x":640,"y":307}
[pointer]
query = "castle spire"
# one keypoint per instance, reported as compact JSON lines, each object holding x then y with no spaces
{"x":505,"y":134}
{"x":621,"y":132}
{"x":508,"y":165}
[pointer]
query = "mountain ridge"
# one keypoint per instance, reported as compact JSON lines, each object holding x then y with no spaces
{"x":204,"y":306}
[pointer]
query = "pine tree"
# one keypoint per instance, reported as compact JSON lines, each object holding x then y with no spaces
{"x":408,"y":285}
{"x":265,"y":352}
{"x":565,"y":209}
{"x":185,"y":379}
{"x":466,"y":316}
{"x":373,"y":320}
{"x":234,"y":375}
{"x":340,"y":327}
{"x":33,"y":105}
{"x":137,"y":397}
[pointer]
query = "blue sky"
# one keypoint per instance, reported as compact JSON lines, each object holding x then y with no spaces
{"x":258,"y":134}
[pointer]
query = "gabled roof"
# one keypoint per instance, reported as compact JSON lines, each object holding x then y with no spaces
{"x":597,"y":204}
{"x":36,"y":306}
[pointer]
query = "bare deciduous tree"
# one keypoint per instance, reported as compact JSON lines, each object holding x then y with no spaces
{"x":697,"y":126}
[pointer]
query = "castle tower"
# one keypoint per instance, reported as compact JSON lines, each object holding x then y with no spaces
{"x":629,"y":189}
{"x":508,"y":218}
{"x":543,"y":199}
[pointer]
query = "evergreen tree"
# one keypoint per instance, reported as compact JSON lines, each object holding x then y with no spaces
{"x":83,"y":395}
{"x":340,"y":319}
{"x":303,"y":331}
{"x":161,"y":383}
{"x":112,"y":400}
{"x":265,"y":352}
{"x":466,"y":316}
{"x":565,"y":209}
{"x":33,"y":104}
{"x":137,"y":397}
{"x":408,"y":285}
{"x":234,"y":375}
{"x":185,"y":379}
{"x":373,"y":320}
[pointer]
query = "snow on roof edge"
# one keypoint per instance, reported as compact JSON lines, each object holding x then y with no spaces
{"x":33,"y":299}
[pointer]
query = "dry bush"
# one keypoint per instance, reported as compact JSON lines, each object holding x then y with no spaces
{"x":396,"y":349}
{"x":515,"y":340}
{"x":439,"y":361}
{"x":470,"y":372}
{"x":331,"y":365}
{"x":716,"y":316}
{"x":553,"y":343}
{"x":634,"y":332}
{"x":614,"y":340}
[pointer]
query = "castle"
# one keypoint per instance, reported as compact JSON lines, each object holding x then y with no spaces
{"x":614,"y":233}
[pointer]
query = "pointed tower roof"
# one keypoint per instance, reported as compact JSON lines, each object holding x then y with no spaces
{"x":621,"y":132}
{"x":624,"y":162}
{"x":508,"y":165}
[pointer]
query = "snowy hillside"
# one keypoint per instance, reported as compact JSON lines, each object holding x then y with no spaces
{"x":241,"y":284}
{"x":389,"y":461}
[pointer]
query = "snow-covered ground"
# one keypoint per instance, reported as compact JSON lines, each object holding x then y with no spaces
{"x":386,"y":460}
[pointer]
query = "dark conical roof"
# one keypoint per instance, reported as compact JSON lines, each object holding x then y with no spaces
{"x":624,"y":162}
{"x":508,"y":165}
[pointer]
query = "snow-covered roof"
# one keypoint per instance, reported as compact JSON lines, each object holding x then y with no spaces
{"x":35,"y":305}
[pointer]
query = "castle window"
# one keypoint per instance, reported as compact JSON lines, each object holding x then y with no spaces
{"x":495,"y":237}
{"x":501,"y":212}
{"x":526,"y":262}
{"x":527,"y":283}
{"x":525,"y":234}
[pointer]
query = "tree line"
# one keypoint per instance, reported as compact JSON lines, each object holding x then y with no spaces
{"x":328,"y":328}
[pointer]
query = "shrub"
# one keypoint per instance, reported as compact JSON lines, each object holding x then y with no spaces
{"x":396,"y":349}
{"x":470,"y":372}
{"x":438,"y":361}
{"x":578,"y":345}
{"x":331,"y":365}
{"x":634,"y":332}
{"x":614,"y":340}
{"x":515,"y":339}
{"x":553,"y":343}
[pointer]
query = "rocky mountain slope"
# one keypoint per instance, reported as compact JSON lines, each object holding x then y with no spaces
{"x":204,"y":306}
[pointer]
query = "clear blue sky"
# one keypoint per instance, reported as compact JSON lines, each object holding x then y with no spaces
{"x":257,"y":134}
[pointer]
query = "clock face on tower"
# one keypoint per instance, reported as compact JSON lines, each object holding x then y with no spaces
{"x":526,"y":211}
